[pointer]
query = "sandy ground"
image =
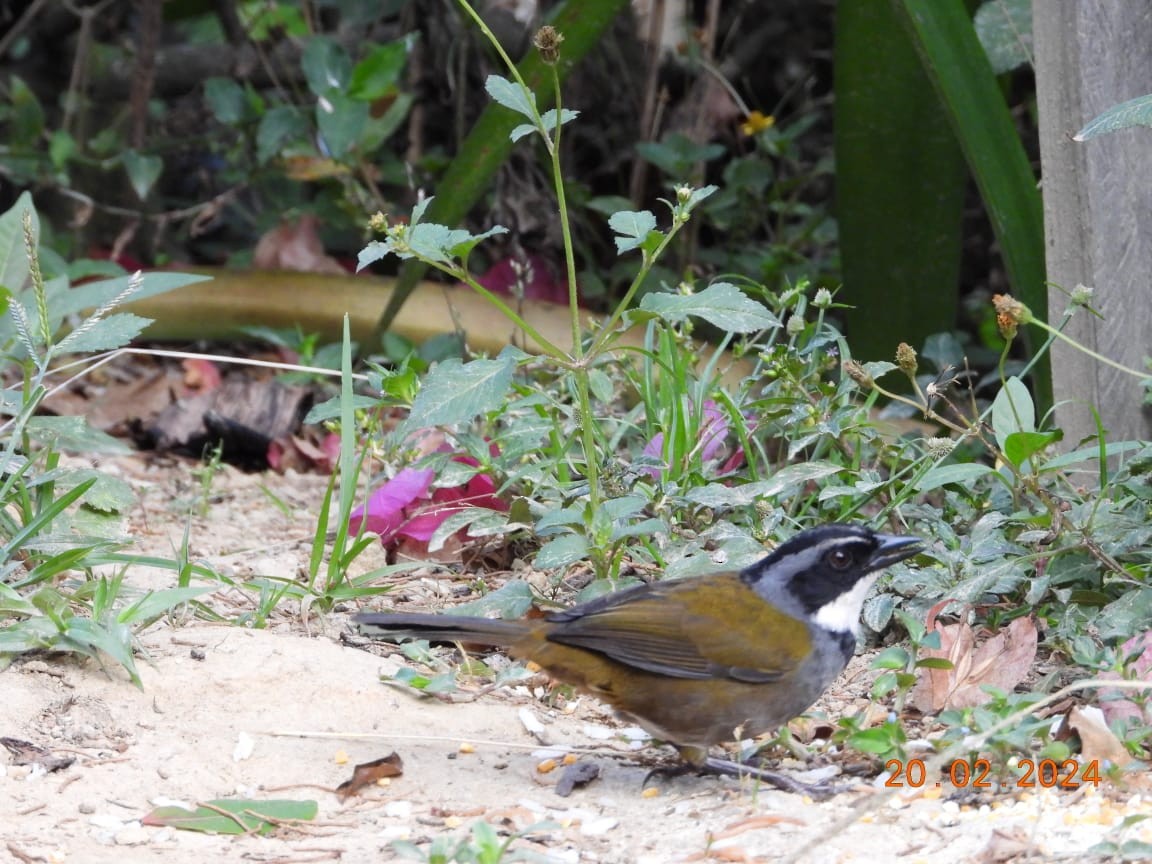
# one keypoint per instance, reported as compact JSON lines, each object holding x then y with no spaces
{"x":232,"y":712}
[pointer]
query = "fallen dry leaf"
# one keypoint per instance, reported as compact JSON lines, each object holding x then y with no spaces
{"x":368,"y":773}
{"x":1001,"y":661}
{"x":295,"y":246}
{"x":1097,"y":743}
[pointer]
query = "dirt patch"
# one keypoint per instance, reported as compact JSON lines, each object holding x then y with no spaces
{"x":234,"y":712}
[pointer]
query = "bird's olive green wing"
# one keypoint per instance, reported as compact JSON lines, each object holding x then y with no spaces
{"x":715,"y":627}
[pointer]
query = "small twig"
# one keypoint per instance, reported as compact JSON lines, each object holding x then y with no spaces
{"x":20,"y":855}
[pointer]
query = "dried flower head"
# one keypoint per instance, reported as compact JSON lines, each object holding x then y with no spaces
{"x":938,"y":447}
{"x":906,"y":359}
{"x":547,"y":41}
{"x":1010,"y":314}
{"x":854,"y":370}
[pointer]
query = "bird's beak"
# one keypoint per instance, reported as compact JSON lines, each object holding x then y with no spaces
{"x":893,"y":549}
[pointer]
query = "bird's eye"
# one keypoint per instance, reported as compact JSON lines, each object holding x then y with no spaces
{"x":839,"y":559}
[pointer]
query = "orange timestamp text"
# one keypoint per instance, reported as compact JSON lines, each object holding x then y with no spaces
{"x":977,"y":774}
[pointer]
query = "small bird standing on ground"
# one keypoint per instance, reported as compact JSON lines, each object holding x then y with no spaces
{"x":697,"y":662}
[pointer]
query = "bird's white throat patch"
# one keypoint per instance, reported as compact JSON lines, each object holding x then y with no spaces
{"x":842,"y":615}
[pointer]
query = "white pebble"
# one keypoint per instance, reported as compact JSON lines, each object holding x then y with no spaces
{"x":133,"y":835}
{"x":599,"y":826}
{"x":398,"y":809}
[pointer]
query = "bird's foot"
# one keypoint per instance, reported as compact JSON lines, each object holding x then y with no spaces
{"x":783,"y":782}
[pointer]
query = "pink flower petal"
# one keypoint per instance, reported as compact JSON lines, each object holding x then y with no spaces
{"x":384,"y":512}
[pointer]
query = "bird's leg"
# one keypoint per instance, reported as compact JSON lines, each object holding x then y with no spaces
{"x":781,"y":781}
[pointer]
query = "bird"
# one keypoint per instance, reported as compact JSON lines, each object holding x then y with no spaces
{"x":699,"y":661}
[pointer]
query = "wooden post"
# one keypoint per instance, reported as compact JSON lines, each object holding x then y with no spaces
{"x":1097,"y":207}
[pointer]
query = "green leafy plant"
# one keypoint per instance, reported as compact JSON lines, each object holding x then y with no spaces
{"x":56,"y":521}
{"x":900,"y":664}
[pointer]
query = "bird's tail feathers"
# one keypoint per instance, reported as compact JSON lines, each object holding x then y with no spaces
{"x":445,"y":628}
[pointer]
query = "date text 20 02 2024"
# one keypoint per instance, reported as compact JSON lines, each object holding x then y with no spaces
{"x":1028,"y":774}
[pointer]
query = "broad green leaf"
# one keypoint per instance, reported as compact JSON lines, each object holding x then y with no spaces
{"x":633,"y":226}
{"x":511,"y":600}
{"x":61,"y":148}
{"x":1004,"y":28}
{"x":562,"y":551}
{"x":877,"y":741}
{"x":1123,"y":617}
{"x":378,"y":72}
{"x":1134,"y":112}
{"x":945,"y":475}
{"x":109,"y":494}
{"x":142,"y":170}
{"x":341,"y":121}
{"x":225,"y":98}
{"x":935,"y":663}
{"x":483,"y":520}
{"x":510,"y":95}
{"x":1090,"y":454}
{"x":13,"y":255}
{"x":24,"y":117}
{"x":944,"y":350}
{"x":374,"y":251}
{"x":698,"y":195}
{"x":155,"y":603}
{"x":721,"y":304}
{"x":646,"y":528}
{"x":419,"y":210}
{"x":1012,"y":411}
{"x":879,"y":368}
{"x":14,"y":603}
{"x":434,"y":242}
{"x":106,"y":525}
{"x":1021,"y":446}
{"x":463,"y":248}
{"x":878,"y":612}
{"x":115,"y":331}
{"x":279,"y":126}
{"x":75,"y":435}
{"x":380,"y":129}
{"x":247,"y":816}
{"x":330,"y":408}
{"x":719,"y":495}
{"x":548,"y":118}
{"x":75,"y":301}
{"x":455,"y":392}
{"x":88,"y":637}
{"x":326,"y":66}
{"x":601,"y":385}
